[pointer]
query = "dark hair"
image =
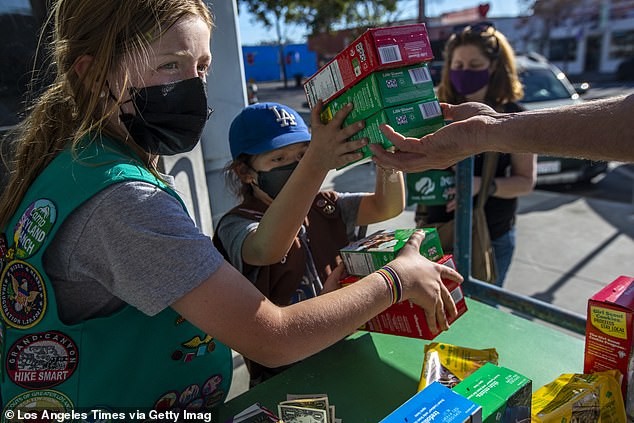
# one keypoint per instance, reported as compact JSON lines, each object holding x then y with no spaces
{"x":232,"y":176}
{"x":504,"y":84}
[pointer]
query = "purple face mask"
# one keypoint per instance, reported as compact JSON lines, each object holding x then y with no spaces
{"x":468,"y":81}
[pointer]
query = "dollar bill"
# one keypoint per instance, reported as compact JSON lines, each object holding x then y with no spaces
{"x":304,"y":396}
{"x":320,"y":403}
{"x":293,"y":414}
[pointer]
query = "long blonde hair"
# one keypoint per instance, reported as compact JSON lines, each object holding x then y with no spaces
{"x":116,"y":34}
{"x":504,"y":84}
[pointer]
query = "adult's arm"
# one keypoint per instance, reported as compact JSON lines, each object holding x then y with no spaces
{"x":228,"y":307}
{"x":598,"y":130}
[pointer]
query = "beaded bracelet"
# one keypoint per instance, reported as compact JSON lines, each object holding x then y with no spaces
{"x":393,"y":283}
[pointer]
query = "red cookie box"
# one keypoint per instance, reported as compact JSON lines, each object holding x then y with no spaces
{"x":375,"y":49}
{"x":408,"y":319}
{"x":610,"y":334}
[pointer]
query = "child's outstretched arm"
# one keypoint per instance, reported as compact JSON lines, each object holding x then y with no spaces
{"x":388,"y":199}
{"x":328,"y":149}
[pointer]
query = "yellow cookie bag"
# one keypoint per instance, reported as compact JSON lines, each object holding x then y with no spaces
{"x":450,"y":364}
{"x":580,"y":398}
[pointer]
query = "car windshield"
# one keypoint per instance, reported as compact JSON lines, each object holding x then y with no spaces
{"x":542,"y":85}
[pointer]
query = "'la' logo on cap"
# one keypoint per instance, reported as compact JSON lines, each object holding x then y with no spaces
{"x":285,"y":118}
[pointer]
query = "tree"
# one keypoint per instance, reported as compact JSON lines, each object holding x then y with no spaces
{"x":319,"y":16}
{"x":371,"y":13}
{"x":275,"y":13}
{"x":323,"y":16}
{"x":327,"y":15}
{"x":552,"y":14}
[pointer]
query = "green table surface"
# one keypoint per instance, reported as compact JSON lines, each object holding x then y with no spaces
{"x":368,"y":375}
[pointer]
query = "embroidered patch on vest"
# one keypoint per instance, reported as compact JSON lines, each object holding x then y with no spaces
{"x":212,"y":384}
{"x":167,"y":401}
{"x":188,"y":395}
{"x":193,"y":397}
{"x":195,"y":405}
{"x":33,"y":227}
{"x":197,"y":347}
{"x":22,"y":295}
{"x":214,"y":399}
{"x":42,"y":360}
{"x":36,"y":402}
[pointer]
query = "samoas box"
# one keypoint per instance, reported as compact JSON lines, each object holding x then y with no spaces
{"x":436,"y":403}
{"x":375,"y":49}
{"x":366,"y":255}
{"x":610,"y":335}
{"x":505,"y":396}
{"x":383,"y":89}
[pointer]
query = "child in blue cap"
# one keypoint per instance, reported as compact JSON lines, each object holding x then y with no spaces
{"x":285,"y":235}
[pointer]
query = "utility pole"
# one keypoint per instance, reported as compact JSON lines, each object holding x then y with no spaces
{"x":421,"y":11}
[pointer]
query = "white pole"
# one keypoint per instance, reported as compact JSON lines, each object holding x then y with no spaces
{"x":227,"y":96}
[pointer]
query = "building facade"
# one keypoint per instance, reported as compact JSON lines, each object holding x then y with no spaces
{"x":592,"y":36}
{"x":262,"y":63}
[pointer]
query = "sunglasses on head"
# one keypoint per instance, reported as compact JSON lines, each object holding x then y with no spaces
{"x":481,"y":29}
{"x":477,"y":28}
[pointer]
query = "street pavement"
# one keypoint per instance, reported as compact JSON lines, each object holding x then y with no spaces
{"x":568,"y":246}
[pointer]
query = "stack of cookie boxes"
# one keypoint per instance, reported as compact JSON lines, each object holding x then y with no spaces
{"x":405,"y":318}
{"x":384,"y":73}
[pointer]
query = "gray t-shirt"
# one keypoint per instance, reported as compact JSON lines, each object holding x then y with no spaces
{"x":131,"y":243}
{"x":233,"y":230}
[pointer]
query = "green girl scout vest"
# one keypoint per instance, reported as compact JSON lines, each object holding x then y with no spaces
{"x":123,"y":362}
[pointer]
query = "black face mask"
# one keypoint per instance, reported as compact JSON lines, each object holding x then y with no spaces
{"x":272,"y":181}
{"x":169,"y":118}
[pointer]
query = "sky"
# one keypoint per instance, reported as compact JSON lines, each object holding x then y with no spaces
{"x":252,"y":32}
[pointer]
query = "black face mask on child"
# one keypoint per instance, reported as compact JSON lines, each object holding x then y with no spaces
{"x":272,"y":181}
{"x":169,"y":118}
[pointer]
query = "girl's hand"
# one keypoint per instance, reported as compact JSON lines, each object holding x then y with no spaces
{"x":329,"y":147}
{"x":422,"y":283}
{"x":334,"y":277}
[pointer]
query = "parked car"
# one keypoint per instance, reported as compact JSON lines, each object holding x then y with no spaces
{"x":625,"y":71}
{"x":547,"y":86}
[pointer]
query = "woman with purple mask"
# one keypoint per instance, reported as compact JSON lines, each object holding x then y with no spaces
{"x":480,"y":66}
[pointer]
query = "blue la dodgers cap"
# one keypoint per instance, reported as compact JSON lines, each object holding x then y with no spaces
{"x":263,"y":127}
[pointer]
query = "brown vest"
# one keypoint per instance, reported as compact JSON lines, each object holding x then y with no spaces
{"x":326,"y":233}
